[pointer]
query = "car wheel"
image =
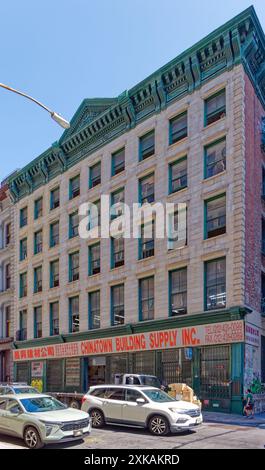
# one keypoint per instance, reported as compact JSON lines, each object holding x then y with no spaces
{"x":32,"y":438}
{"x":74,"y":404}
{"x":158,"y":425}
{"x":97,"y":418}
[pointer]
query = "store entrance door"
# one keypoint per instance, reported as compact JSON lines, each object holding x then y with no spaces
{"x":96,"y":370}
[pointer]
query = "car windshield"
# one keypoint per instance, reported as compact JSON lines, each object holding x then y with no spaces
{"x":41,"y":404}
{"x":150,"y":381}
{"x":25,"y":390}
{"x":158,"y":396}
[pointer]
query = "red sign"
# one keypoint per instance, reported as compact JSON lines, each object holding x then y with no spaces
{"x":200,"y":335}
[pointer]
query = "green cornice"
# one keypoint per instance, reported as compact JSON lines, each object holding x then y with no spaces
{"x":101,"y":120}
{"x":216,"y":316}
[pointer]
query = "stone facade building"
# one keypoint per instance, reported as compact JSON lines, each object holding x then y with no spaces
{"x":87,"y":309}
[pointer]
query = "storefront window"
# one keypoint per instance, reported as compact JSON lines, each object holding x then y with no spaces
{"x":215,"y":372}
{"x":72,"y":372}
{"x":177,"y":366}
{"x":144,"y":363}
{"x":54,"y":375}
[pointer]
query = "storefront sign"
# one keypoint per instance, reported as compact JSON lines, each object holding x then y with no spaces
{"x":37,"y":369}
{"x":201,"y":335}
{"x":252,"y":335}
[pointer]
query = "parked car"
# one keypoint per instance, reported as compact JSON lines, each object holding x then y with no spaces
{"x":141,"y":406}
{"x":16,"y":387}
{"x":41,"y":419}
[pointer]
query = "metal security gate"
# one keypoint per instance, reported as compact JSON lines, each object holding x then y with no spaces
{"x":176,"y":368}
{"x":22,"y":374}
{"x":215,"y":375}
{"x":116,"y":364}
{"x":144,"y":363}
{"x":54,"y":375}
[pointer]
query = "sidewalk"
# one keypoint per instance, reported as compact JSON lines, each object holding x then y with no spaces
{"x":227,"y":418}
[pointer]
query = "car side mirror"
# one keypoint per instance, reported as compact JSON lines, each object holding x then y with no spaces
{"x":15,"y":411}
{"x":140,"y":401}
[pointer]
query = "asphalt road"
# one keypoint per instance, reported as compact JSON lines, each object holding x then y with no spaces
{"x":208,"y":436}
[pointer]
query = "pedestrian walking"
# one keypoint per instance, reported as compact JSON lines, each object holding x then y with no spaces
{"x":249,"y":406}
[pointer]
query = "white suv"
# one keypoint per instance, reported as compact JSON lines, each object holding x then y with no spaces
{"x":142,"y":406}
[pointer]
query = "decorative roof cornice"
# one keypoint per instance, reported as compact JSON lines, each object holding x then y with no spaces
{"x":99,"y":121}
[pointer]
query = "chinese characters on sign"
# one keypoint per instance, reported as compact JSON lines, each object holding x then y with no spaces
{"x":201,"y":335}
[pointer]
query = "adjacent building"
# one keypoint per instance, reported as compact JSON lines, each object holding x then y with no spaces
{"x":6,"y":283}
{"x":86,"y":309}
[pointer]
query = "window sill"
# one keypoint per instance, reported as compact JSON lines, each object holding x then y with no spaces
{"x":216,"y":237}
{"x":175,"y":193}
{"x":178,"y":143}
{"x":212,"y":124}
{"x":211,"y":178}
{"x":94,"y":276}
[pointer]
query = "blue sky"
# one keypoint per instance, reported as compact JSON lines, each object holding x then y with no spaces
{"x":62,"y":51}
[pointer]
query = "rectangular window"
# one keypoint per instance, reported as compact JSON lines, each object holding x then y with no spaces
{"x":38,"y":242}
{"x":94,"y":215}
{"x":94,"y":310}
{"x":23,"y":251}
{"x":74,"y":267}
{"x":178,"y":292}
{"x":117,"y":252}
{"x":215,"y":213}
{"x":23,"y":217}
{"x":73,"y":224}
{"x":117,"y":201}
{"x":147,"y":241}
{"x":215,"y":108}
{"x":54,"y":319}
{"x":23,"y":292}
{"x":54,"y":234}
{"x":177,"y":228}
{"x":8,"y":322}
{"x":8,"y":276}
{"x":38,"y":208}
{"x":117,"y":305}
{"x":215,"y":158}
{"x":178,"y":175}
{"x":8,"y":234}
{"x":54,"y":274}
{"x":215,"y":288}
{"x":178,"y":128}
{"x":74,"y":187}
{"x":94,"y":259}
{"x":37,"y":322}
{"x":38,"y":280}
{"x":146,"y":298}
{"x":73,"y":314}
{"x":147,"y":189}
{"x":22,"y":325}
{"x":95,"y":175}
{"x":55,"y":198}
{"x":147,"y":145}
{"x":118,"y":162}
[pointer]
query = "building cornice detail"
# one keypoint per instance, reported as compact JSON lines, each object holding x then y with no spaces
{"x":99,"y":121}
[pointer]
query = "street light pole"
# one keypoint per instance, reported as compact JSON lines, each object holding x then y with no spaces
{"x":55,"y":116}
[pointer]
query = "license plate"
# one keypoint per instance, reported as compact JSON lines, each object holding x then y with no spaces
{"x":78,"y":433}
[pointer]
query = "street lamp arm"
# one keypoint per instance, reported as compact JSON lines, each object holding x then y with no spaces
{"x":55,"y":116}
